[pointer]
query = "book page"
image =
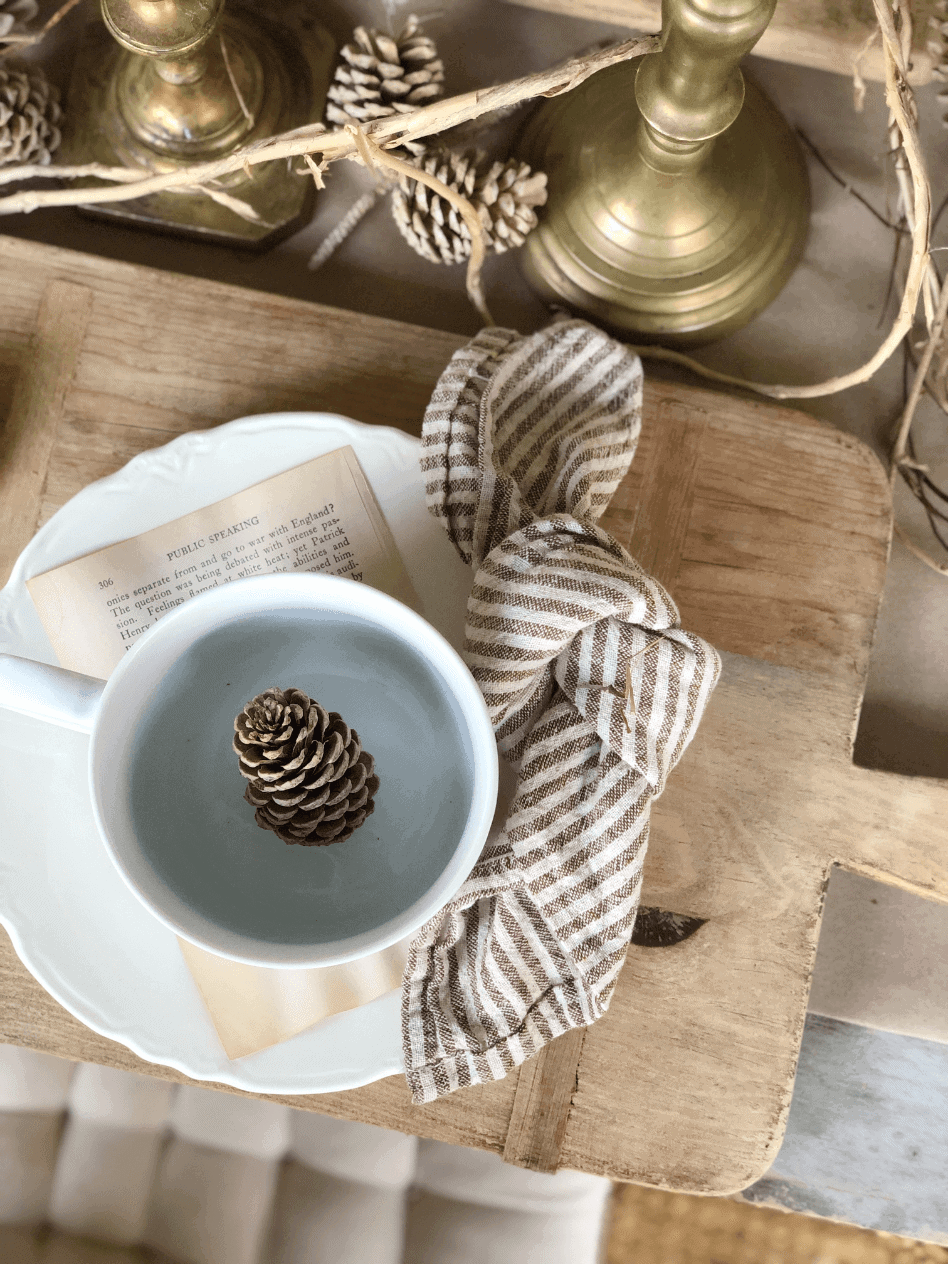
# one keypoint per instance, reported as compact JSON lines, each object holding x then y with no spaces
{"x":320,"y":517}
{"x":256,"y":1007}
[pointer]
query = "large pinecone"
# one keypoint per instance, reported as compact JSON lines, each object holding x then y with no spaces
{"x":504,"y":195}
{"x":29,"y":114}
{"x":15,"y":14}
{"x":377,"y":76}
{"x":310,"y":780}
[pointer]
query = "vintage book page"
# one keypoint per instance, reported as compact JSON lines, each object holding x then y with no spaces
{"x":320,"y":517}
{"x":254,"y":1007}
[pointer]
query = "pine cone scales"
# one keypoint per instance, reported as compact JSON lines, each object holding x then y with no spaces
{"x":504,"y":194}
{"x":15,"y":14}
{"x":29,"y":114}
{"x":378,"y":76}
{"x":310,"y":780}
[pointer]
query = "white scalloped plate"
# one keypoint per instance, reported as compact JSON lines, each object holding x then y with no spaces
{"x":73,"y":922}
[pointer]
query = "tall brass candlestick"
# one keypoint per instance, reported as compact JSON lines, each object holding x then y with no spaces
{"x":678,"y":200}
{"x":166,"y":84}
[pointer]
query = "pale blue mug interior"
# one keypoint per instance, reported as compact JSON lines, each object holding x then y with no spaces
{"x":185,"y":791}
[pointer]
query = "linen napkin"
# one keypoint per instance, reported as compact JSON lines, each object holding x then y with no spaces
{"x":524,"y":442}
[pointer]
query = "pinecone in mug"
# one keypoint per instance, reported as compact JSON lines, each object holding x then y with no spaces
{"x":504,"y":195}
{"x":29,"y":114}
{"x":377,"y":76}
{"x":310,"y":780}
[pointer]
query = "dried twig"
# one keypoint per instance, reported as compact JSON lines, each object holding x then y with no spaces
{"x":627,"y":694}
{"x":235,"y":204}
{"x":26,"y":39}
{"x":930,"y":371}
{"x":900,"y":447}
{"x":859,"y":84}
{"x":233,"y":81}
{"x":941,"y":568}
{"x":844,"y":184}
{"x":370,"y":153}
{"x":29,"y":171}
{"x":386,"y":132}
{"x":372,"y":141}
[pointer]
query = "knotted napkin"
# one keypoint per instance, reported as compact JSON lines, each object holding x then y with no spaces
{"x":525,"y":441}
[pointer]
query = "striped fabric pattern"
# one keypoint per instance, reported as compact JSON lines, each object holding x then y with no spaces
{"x":525,"y":441}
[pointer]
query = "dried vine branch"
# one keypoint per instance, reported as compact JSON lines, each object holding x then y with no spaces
{"x":314,"y":139}
{"x":371,"y":153}
{"x":371,"y":142}
{"x":26,"y":39}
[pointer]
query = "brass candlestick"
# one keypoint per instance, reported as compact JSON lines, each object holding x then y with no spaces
{"x":678,"y":197}
{"x":167,"y":84}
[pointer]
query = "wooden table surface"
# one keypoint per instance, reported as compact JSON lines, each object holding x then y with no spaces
{"x":770,"y":529}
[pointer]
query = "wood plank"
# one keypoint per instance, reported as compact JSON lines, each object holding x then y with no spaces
{"x":774,"y":545}
{"x":818,"y":33}
{"x":666,"y":495}
{"x":29,"y":433}
{"x":542,"y":1104}
{"x":787,"y":541}
{"x":701,"y":1040}
{"x":754,"y":861}
{"x":666,"y":498}
{"x":867,"y":1141}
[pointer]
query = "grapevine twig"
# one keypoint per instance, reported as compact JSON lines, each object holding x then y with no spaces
{"x":844,"y":184}
{"x":235,"y":86}
{"x":370,"y":153}
{"x":386,"y":132}
{"x":27,"y":38}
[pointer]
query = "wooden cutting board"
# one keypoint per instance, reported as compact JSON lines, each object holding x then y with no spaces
{"x":772,"y":532}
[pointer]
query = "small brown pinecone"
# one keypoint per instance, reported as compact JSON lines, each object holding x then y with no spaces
{"x":15,"y":14}
{"x":377,"y":76}
{"x":29,"y":113}
{"x":310,"y":780}
{"x":504,"y":195}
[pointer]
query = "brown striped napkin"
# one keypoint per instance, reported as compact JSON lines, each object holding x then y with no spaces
{"x":524,"y":443}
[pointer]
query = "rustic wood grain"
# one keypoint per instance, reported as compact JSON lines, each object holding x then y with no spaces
{"x":542,"y":1104}
{"x":774,"y":545}
{"x":824,"y":34}
{"x":662,"y":514}
{"x":32,"y":423}
{"x":666,"y":497}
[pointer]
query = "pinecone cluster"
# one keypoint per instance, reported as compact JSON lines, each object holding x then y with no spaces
{"x":29,"y":114}
{"x":309,"y":778}
{"x":504,"y":194}
{"x":15,"y":14}
{"x":377,"y":76}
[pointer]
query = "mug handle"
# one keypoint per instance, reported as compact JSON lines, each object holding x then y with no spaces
{"x":61,"y":697}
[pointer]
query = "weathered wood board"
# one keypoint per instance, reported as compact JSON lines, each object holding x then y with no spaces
{"x":772,"y":532}
{"x":867,"y":1141}
{"x":824,"y":34}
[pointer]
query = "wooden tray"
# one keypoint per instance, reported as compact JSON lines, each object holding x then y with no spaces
{"x":772,"y":532}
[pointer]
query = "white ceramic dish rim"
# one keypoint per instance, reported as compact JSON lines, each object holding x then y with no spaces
{"x":350,"y":1049}
{"x":139,"y":674}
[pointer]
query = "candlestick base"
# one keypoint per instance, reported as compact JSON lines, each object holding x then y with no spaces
{"x":117,"y":115}
{"x":662,"y":256}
